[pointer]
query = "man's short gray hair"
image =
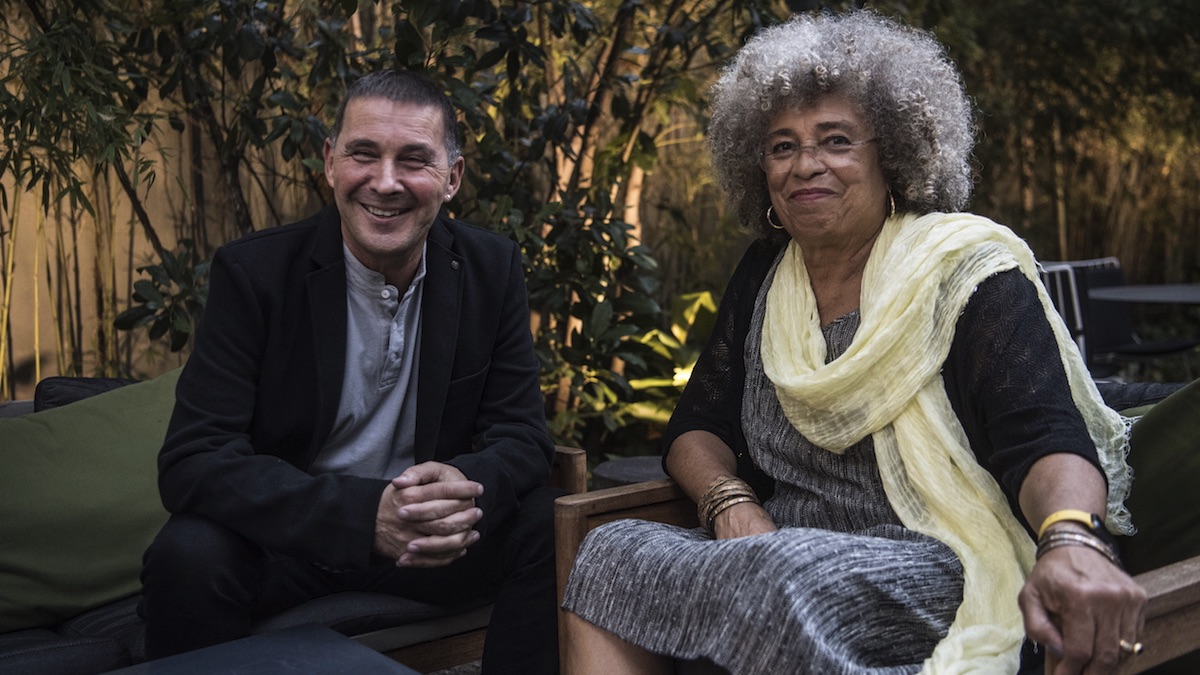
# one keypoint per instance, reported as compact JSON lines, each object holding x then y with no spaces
{"x":899,"y":78}
{"x":404,"y":86}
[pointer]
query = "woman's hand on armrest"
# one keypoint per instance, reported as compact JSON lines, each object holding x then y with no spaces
{"x":1076,"y":602}
{"x":1081,"y":607}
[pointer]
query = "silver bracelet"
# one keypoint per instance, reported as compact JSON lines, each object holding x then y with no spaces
{"x":1053,"y":540}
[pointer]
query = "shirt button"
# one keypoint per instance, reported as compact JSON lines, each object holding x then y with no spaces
{"x":385,"y":294}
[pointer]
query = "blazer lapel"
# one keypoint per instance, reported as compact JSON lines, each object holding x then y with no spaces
{"x":440,"y":307}
{"x":327,"y":308}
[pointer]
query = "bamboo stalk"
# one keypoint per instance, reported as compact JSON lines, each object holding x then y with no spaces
{"x":76,"y":303}
{"x":6,"y":306}
{"x":112,"y":356}
{"x":38,"y":244}
{"x":58,"y":305}
{"x":103,"y":275}
{"x":1060,"y":191}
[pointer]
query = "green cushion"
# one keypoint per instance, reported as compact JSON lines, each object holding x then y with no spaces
{"x":80,"y":504}
{"x":1138,"y":411}
{"x":1165,"y":502}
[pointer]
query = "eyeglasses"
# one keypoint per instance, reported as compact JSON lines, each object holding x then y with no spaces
{"x":834,"y":151}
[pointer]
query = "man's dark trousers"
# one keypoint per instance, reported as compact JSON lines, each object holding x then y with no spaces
{"x":205,"y":584}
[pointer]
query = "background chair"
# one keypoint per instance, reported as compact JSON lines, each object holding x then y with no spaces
{"x":1059,"y":278}
{"x":1104,"y":330}
{"x":1108,"y":326}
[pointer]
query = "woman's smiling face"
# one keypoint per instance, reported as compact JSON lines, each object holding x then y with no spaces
{"x":823,"y":173}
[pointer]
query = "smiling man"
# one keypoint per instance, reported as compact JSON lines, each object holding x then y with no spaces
{"x":361,"y":410}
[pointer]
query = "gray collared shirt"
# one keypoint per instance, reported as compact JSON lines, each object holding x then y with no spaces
{"x":374,"y":432}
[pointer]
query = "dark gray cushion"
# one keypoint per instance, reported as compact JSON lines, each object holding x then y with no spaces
{"x":352,"y":612}
{"x":53,"y":392}
{"x":47,"y":653}
{"x":1125,"y":395}
{"x":117,"y":621}
{"x":15,"y":408}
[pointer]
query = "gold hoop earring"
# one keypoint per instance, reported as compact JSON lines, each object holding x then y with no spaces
{"x":891,"y":205}
{"x":770,"y":211}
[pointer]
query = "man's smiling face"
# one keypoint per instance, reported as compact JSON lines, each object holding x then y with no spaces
{"x":390,"y":176}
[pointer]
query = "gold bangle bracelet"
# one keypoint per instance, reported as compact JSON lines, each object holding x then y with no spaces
{"x":722,"y":483}
{"x":721,"y":493}
{"x":718,"y":503}
{"x":716,"y":511}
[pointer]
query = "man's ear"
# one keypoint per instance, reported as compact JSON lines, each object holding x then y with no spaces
{"x":328,"y":154}
{"x":454,"y":181}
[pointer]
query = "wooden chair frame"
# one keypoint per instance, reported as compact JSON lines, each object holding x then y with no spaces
{"x":1172,"y":613}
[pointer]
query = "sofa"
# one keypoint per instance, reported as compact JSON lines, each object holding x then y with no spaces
{"x":79,"y":505}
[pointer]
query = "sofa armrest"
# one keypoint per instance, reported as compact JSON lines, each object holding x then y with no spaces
{"x":61,"y":390}
{"x":16,"y":408}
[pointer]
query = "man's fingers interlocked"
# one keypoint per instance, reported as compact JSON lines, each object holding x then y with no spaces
{"x":437,"y":551}
{"x":442,"y":517}
{"x":465,"y":490}
{"x":427,"y":515}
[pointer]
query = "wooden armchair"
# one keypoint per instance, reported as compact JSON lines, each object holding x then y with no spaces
{"x":1172,"y":615}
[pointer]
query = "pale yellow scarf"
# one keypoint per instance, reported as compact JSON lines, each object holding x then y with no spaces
{"x":888,"y":384}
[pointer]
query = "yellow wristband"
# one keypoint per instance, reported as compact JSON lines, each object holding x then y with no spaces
{"x":1075,"y":515}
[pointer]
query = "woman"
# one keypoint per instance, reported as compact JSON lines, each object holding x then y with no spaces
{"x":890,"y":374}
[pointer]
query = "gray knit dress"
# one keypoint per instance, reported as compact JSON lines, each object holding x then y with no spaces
{"x":841,"y":587}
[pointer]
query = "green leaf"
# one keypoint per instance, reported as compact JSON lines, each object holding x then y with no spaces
{"x":601,"y":319}
{"x":147,"y":292}
{"x":179,"y":340}
{"x":180,"y":320}
{"x":133,"y":317}
{"x":409,"y":44}
{"x":159,"y":328}
{"x":250,"y":44}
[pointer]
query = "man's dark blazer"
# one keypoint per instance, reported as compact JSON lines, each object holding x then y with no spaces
{"x":259,"y":393}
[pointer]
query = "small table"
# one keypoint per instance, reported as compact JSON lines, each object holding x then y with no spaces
{"x":1180,"y":294}
{"x":627,"y":470}
{"x":310,"y":649}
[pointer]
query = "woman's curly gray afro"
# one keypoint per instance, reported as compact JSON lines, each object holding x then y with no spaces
{"x":899,"y":77}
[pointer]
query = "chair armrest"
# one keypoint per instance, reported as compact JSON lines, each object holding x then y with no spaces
{"x":569,"y":470}
{"x":1172,"y":615}
{"x":577,"y":514}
